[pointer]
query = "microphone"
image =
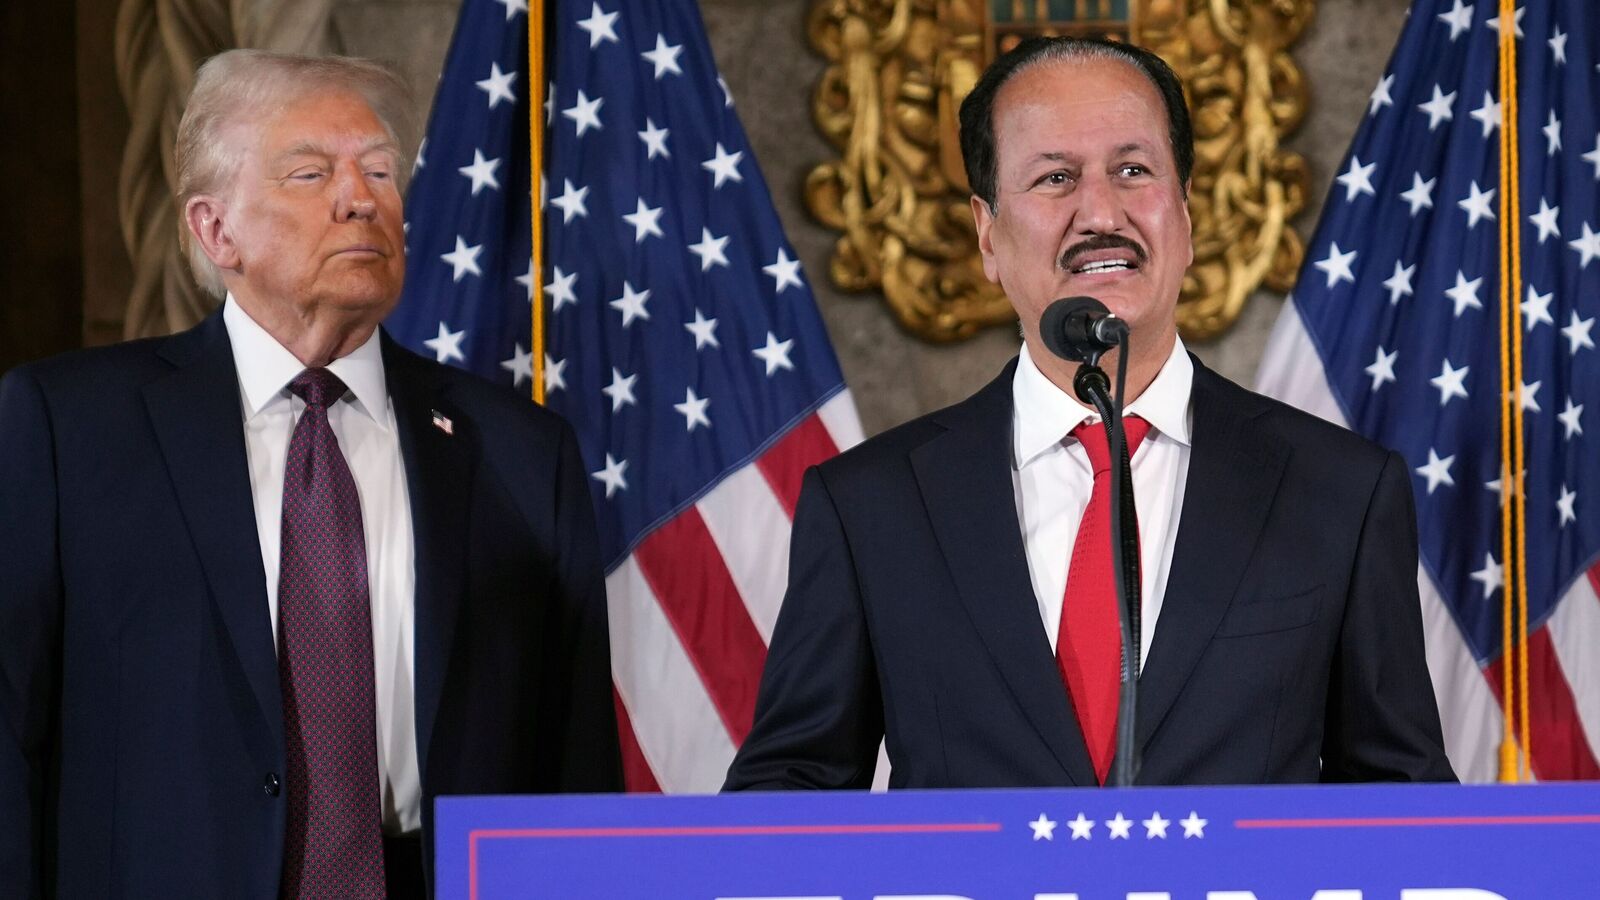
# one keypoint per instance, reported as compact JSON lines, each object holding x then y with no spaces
{"x":1080,"y":329}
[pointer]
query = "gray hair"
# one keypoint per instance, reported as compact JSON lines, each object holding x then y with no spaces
{"x":239,"y":86}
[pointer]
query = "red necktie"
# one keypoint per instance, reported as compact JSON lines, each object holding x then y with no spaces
{"x":1089,"y":641}
{"x":333,"y":840}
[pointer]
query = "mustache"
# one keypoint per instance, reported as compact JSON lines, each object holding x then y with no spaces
{"x":1070,"y":258}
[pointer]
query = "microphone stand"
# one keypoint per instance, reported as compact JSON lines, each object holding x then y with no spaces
{"x":1092,"y":386}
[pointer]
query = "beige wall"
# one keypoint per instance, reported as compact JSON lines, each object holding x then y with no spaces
{"x":761,"y":48}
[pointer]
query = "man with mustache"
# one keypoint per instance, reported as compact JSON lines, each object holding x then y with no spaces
{"x":950,"y":584}
{"x":274,"y":584}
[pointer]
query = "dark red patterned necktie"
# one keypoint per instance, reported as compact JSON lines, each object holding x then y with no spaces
{"x":333,"y":843}
{"x":1089,"y":641}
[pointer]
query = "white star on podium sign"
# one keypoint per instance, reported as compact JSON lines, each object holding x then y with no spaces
{"x":1156,"y":827}
{"x":1119,"y":826}
{"x":1082,"y":828}
{"x":1043,"y":828}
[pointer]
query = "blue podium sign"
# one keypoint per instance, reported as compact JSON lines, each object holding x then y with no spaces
{"x":1410,"y":842}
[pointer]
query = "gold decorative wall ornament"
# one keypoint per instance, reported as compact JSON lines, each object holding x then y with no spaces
{"x":899,"y":70}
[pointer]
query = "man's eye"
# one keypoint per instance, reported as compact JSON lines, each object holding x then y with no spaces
{"x":312,"y":175}
{"x":1055,"y":178}
{"x":1133,"y":170}
{"x":378,"y":174}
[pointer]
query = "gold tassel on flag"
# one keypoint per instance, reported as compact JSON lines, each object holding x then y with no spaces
{"x":536,"y":88}
{"x":1515,"y":737}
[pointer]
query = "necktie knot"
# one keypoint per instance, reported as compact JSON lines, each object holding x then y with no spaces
{"x":317,"y":387}
{"x":1092,"y":435}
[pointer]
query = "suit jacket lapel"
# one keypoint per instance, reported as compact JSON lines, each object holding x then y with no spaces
{"x":199,"y":426}
{"x":1233,"y":475}
{"x":438,"y":464}
{"x":965,"y":479}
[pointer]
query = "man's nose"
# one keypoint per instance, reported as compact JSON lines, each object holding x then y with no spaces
{"x":1099,"y":208}
{"x":354,"y":198}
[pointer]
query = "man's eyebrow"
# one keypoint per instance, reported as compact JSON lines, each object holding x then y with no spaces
{"x":1051,"y":156}
{"x":311,"y":148}
{"x":1058,"y":156}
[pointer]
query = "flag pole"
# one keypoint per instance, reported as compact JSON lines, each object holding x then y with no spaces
{"x":536,"y":91}
{"x":1515,"y":738}
{"x":1510,"y":117}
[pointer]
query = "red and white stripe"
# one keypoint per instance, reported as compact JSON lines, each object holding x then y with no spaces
{"x":1564,"y":653}
{"x":692,"y":611}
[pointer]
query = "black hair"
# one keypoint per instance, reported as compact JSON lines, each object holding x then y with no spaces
{"x":977,"y":110}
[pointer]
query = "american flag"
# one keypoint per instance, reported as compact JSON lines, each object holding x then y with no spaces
{"x":684,"y":344}
{"x":1394,"y":330}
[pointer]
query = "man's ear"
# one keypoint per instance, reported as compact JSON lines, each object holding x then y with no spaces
{"x":983,"y":217}
{"x":204,"y":217}
{"x":1188,"y":224}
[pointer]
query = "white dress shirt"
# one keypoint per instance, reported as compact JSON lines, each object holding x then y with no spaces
{"x":1053,"y":480}
{"x":363,"y":421}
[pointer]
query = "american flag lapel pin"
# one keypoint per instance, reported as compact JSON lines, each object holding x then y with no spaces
{"x":443,"y":423}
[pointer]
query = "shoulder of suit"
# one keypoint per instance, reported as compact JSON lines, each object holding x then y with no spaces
{"x":987,"y":409}
{"x":98,"y":370}
{"x":890,"y":450}
{"x":889,"y":447}
{"x":1296,"y":427}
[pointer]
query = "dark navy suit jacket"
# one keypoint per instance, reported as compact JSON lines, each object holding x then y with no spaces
{"x":1289,"y":646}
{"x":141,"y":728}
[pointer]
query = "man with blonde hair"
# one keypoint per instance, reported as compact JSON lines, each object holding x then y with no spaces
{"x":275,"y":583}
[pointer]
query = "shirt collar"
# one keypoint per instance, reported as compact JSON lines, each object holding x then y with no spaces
{"x":1045,"y":414}
{"x":266,"y":367}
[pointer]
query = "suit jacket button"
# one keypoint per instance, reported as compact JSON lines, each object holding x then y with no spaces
{"x":271,"y":785}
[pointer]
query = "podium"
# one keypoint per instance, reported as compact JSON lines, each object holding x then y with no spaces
{"x":1393,"y":842}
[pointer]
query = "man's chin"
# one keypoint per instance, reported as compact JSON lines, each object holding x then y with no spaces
{"x":359,"y":291}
